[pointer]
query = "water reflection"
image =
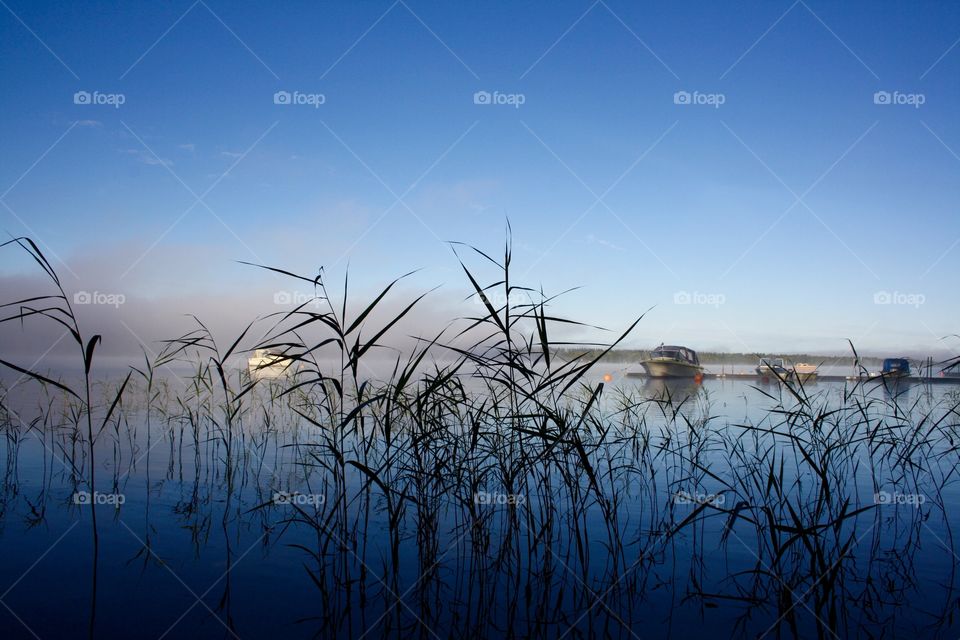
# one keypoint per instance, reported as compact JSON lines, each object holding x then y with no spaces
{"x":794,"y":524}
{"x":671,"y":389}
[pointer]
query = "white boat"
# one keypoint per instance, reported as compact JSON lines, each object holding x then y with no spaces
{"x":669,"y":361}
{"x":804,"y":372}
{"x":264,"y":364}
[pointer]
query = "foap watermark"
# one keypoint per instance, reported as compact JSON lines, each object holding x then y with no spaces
{"x":297,"y":298}
{"x":912,"y":499}
{"x":98,"y":297}
{"x":85,"y":497}
{"x":299,"y":98}
{"x":705,"y":99}
{"x":95,"y":97}
{"x":897,"y":297}
{"x":484,"y":497}
{"x":298,"y":499}
{"x":512,"y":99}
{"x":914,"y":100}
{"x":499,"y":299}
{"x":696,"y":297}
{"x":712,"y":499}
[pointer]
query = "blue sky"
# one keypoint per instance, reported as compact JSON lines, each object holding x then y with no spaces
{"x":784,"y":212}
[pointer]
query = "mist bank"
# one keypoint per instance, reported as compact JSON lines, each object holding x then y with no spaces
{"x":135,"y":310}
{"x":871,"y":358}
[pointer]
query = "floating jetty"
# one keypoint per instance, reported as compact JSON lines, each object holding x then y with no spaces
{"x":819,"y":378}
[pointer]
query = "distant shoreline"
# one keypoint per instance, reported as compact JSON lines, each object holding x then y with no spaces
{"x":716,"y":357}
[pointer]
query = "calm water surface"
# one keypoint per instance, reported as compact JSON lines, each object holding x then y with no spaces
{"x":199,"y":541}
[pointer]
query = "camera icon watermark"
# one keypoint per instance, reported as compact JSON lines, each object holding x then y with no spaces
{"x":912,"y":499}
{"x":915,"y":100}
{"x":97,"y":297}
{"x":97,"y":98}
{"x":496,"y":98}
{"x":97,"y":498}
{"x":484,"y":497}
{"x":899,"y":298}
{"x":712,"y":499}
{"x":296,"y":298}
{"x":298,"y":499}
{"x":298,"y":98}
{"x":696,"y":297}
{"x":714,"y":100}
{"x":499,"y":299}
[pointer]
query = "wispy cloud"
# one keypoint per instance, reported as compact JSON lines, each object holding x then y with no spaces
{"x":592,"y":239}
{"x":145,"y":157}
{"x":469,"y":196}
{"x":189,"y":146}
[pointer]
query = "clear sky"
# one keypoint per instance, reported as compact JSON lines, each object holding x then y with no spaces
{"x":734,"y":155}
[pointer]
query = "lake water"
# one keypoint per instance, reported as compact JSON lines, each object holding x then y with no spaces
{"x":688,"y":528}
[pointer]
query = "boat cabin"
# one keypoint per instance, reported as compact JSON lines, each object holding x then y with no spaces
{"x":674,"y":352}
{"x":896,"y":367}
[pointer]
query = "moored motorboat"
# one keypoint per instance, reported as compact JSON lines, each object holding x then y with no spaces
{"x":772,"y":368}
{"x":264,"y":364}
{"x":670,"y":361}
{"x":951,"y":370}
{"x":804,"y":372}
{"x":895,"y":368}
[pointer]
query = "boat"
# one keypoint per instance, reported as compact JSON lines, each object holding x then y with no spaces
{"x":804,"y":372}
{"x":951,"y":370}
{"x":264,"y":364}
{"x":772,"y":368}
{"x":895,"y":368}
{"x":671,"y":361}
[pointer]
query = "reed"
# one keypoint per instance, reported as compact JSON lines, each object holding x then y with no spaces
{"x":483,"y":486}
